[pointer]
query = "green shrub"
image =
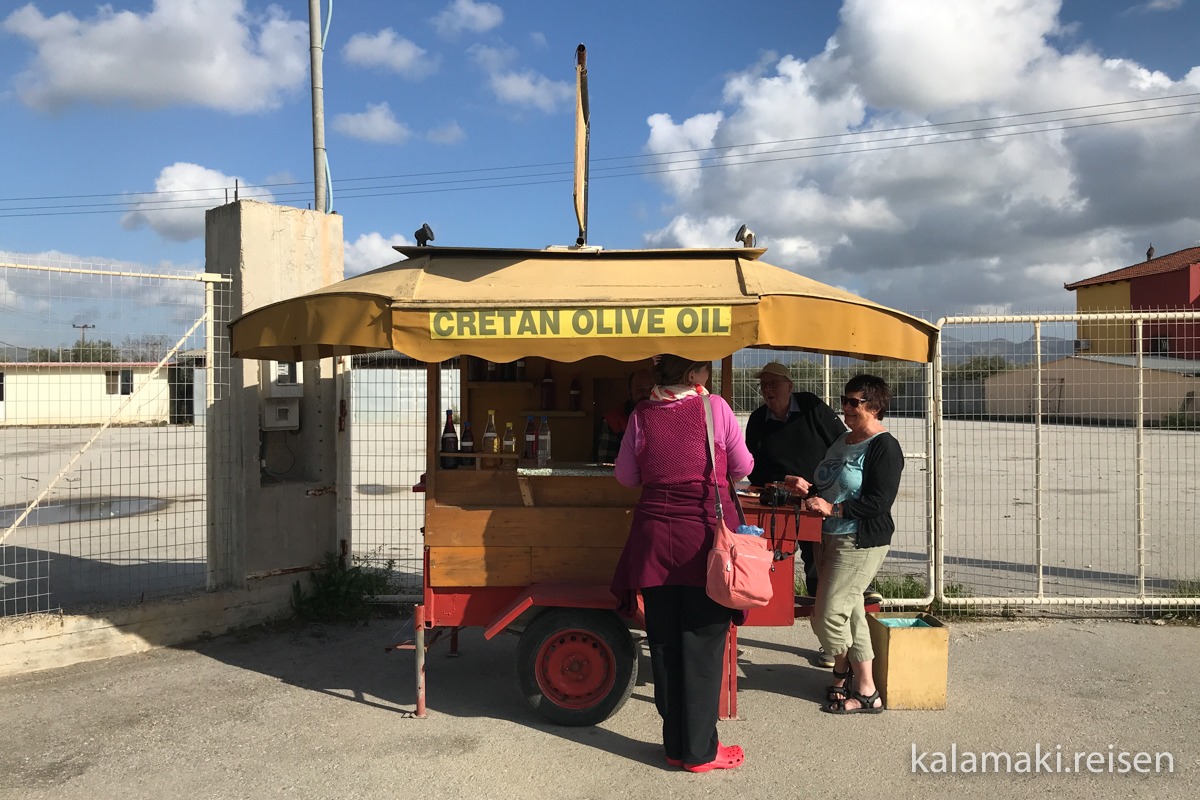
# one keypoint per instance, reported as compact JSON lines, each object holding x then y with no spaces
{"x":338,"y":593}
{"x":1181,"y":421}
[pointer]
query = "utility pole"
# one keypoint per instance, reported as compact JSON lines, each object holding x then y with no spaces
{"x":316,"y":49}
{"x":83,"y":329}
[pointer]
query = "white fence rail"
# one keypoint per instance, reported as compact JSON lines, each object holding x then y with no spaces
{"x":1050,"y":459}
{"x":1072,"y":483}
{"x":104,"y":389}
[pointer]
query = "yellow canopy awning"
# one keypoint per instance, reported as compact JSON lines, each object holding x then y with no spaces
{"x":566,"y":304}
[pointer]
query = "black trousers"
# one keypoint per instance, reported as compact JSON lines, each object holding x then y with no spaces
{"x":686,"y":631}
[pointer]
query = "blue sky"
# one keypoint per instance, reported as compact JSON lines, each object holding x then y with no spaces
{"x":459,"y":113}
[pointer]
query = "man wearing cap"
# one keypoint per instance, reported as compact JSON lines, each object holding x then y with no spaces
{"x":789,"y":435}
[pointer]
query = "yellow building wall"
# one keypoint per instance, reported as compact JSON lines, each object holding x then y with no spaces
{"x":79,"y":396}
{"x":1105,"y":338}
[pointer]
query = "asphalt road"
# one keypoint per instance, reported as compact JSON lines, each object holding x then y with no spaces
{"x":325,"y":712}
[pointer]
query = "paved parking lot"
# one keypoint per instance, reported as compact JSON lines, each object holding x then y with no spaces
{"x":325,"y":712}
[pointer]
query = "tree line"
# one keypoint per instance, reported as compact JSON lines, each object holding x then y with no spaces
{"x":809,"y":376}
{"x":147,"y":347}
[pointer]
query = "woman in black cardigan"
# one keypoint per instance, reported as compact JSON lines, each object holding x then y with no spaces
{"x":855,"y":487}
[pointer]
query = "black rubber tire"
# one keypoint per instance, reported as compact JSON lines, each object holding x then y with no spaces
{"x":565,"y":650}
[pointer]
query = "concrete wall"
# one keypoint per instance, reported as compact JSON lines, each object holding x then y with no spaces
{"x":47,"y":641}
{"x":264,"y":522}
{"x":1083,"y":389}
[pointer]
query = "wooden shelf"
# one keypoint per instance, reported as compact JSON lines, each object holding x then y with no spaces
{"x":457,"y":454}
{"x":478,"y":459}
{"x":535,"y":412}
{"x":499,"y":385}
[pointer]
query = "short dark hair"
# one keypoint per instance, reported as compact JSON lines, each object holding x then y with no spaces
{"x":875,"y":391}
{"x":672,"y":369}
{"x":634,"y":374}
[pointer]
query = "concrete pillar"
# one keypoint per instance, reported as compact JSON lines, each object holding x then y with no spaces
{"x":271,"y":520}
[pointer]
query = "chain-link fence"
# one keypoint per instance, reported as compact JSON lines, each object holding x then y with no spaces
{"x":1049,"y":458}
{"x":389,"y":425}
{"x":104,"y":387}
{"x":1067,"y":449}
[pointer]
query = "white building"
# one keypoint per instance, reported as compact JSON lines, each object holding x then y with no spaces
{"x":89,"y":393}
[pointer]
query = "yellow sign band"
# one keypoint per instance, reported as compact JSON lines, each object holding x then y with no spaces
{"x":579,"y":323}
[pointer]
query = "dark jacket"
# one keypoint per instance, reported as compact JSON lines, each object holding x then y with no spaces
{"x":794,"y":447}
{"x":872,"y":509}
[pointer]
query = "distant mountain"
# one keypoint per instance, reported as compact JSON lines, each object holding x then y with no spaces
{"x":13,"y":355}
{"x":955,"y":351}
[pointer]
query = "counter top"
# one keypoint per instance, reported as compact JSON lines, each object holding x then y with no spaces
{"x":568,"y":469}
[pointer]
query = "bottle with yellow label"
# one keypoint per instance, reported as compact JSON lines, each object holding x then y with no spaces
{"x":491,"y":442}
{"x":508,"y":447}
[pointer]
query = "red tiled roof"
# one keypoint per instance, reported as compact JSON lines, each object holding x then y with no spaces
{"x":1155,"y":266}
{"x":90,"y":364}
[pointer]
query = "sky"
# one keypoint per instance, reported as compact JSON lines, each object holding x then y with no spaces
{"x":938,"y":156}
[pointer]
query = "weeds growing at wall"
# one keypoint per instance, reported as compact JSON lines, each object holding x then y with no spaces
{"x":911,"y":587}
{"x":341,"y":593}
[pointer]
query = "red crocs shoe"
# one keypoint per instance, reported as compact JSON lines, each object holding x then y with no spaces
{"x":728,"y":757}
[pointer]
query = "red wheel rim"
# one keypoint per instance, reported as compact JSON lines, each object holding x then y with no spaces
{"x":575,"y":669}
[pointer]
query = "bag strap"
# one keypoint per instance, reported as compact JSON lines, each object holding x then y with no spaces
{"x":712,"y":455}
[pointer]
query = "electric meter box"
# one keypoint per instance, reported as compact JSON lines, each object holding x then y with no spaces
{"x":281,"y":379}
{"x":281,"y":413}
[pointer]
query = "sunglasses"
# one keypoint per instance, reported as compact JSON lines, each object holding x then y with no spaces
{"x":853,"y":402}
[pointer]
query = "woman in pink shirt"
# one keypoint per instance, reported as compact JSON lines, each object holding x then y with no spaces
{"x":665,"y":451}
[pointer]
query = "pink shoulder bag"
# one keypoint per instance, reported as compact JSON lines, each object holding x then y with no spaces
{"x":739,"y":565}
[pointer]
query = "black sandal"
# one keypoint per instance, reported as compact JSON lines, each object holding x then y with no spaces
{"x":835,"y":693}
{"x":866,"y":704}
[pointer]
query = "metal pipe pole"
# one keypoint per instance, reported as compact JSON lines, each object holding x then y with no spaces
{"x":1139,"y":428}
{"x":316,"y":57}
{"x":1038,"y":460}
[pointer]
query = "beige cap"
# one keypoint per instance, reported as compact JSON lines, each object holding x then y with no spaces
{"x":775,"y":368}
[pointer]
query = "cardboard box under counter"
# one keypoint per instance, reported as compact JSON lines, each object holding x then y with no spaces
{"x":912,"y":654}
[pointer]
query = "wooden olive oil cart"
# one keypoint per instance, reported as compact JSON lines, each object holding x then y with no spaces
{"x":531,"y":551}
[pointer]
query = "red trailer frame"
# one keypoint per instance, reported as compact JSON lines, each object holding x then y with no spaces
{"x":573,"y":677}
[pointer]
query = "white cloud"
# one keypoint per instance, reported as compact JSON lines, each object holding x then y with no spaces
{"x":210,"y":53}
{"x":695,"y":133}
{"x":182,"y":193}
{"x":35,"y":313}
{"x":924,"y":55}
{"x":376,"y":124}
{"x":371,"y":251}
{"x":389,"y":51}
{"x":1163,"y":5}
{"x":911,"y":219}
{"x":468,"y":16}
{"x":8,"y":298}
{"x":522,"y":88}
{"x":450,"y":133}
